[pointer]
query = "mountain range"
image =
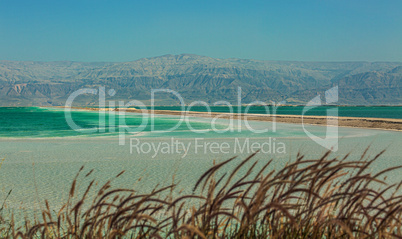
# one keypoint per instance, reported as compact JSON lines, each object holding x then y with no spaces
{"x":194,"y":77}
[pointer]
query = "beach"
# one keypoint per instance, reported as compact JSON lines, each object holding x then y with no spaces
{"x":356,"y":122}
{"x":39,"y":167}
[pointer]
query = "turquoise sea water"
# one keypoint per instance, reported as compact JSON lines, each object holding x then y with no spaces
{"x":42,"y":153}
{"x":393,"y":112}
{"x":35,"y":122}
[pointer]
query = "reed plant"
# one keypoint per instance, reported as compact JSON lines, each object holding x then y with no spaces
{"x":327,"y":197}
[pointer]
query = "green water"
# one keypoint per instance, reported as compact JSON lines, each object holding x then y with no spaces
{"x":42,"y":153}
{"x":47,"y":122}
{"x":35,"y":122}
{"x":392,"y":112}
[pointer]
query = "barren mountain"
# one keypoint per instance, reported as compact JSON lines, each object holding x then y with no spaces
{"x":200,"y":78}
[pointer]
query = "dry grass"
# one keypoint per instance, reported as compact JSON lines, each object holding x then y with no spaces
{"x":320,"y":198}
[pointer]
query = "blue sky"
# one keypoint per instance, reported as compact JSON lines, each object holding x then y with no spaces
{"x":302,"y":30}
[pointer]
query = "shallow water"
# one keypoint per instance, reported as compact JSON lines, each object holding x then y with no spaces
{"x":43,"y":167}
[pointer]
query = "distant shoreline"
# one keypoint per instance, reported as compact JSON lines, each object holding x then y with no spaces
{"x":355,"y":122}
{"x":243,"y":105}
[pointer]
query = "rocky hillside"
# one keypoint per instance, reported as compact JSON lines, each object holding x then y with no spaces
{"x":200,"y":78}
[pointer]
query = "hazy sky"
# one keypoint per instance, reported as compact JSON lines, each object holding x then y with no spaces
{"x":324,"y":30}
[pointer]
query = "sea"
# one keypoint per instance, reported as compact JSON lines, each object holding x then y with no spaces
{"x":392,"y":112}
{"x":42,"y":149}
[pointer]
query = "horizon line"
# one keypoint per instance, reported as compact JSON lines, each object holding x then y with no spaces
{"x":216,"y":58}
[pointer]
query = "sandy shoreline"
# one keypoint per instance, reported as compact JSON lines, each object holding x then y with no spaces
{"x":356,"y":122}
